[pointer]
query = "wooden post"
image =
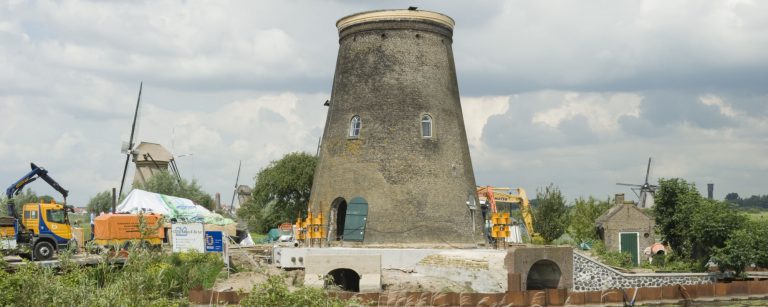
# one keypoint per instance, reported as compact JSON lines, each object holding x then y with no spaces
{"x":114,"y":200}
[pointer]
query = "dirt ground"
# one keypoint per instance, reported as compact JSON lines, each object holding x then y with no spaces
{"x":253,"y":269}
{"x":397,"y":280}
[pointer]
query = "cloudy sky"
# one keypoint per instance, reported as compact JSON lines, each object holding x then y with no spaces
{"x":578,"y":94}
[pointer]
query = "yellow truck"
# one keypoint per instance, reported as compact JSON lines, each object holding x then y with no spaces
{"x":43,"y":230}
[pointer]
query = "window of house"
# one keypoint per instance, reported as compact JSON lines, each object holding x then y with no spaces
{"x":354,"y":126}
{"x":426,"y":126}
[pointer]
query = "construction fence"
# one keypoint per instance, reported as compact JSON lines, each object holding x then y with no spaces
{"x":550,"y":297}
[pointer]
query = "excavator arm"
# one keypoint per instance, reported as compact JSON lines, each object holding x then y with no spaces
{"x":521,"y":198}
{"x":34,"y":174}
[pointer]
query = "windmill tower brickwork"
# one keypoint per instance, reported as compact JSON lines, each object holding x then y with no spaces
{"x":150,"y":159}
{"x":394,"y":164}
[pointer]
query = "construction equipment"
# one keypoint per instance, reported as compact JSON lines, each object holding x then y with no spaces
{"x":43,"y":227}
{"x":124,"y":230}
{"x":492,"y":195}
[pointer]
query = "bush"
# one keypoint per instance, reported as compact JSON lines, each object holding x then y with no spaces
{"x":147,"y":278}
{"x":746,"y":247}
{"x":274,"y":292}
{"x":612,"y":258}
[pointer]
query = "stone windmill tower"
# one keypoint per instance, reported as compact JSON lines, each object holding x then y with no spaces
{"x":394,"y":164}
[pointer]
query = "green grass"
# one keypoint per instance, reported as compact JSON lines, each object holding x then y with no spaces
{"x":758,"y":216}
{"x":258,"y":237}
{"x":148,"y":279}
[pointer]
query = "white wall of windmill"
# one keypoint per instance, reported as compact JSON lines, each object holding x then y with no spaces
{"x":647,"y":200}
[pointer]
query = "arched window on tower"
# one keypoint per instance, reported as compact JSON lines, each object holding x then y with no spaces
{"x":354,"y":126}
{"x":426,"y":126}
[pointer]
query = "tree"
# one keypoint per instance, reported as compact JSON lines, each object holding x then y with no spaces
{"x":583,"y":215}
{"x":693,"y":226}
{"x":102,"y":202}
{"x":732,"y":197}
{"x":745,"y":247}
{"x":675,"y":200}
{"x":551,"y":215}
{"x":281,"y":192}
{"x":166,"y":183}
{"x":25,"y":197}
{"x":712,"y":224}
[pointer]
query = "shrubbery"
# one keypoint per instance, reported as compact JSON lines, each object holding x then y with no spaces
{"x":612,"y":258}
{"x":746,"y":247}
{"x":274,"y":292}
{"x":146,"y":279}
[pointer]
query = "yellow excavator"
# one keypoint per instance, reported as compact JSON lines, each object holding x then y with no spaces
{"x":492,"y":195}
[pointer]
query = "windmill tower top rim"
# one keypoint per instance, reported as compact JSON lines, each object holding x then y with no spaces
{"x":395,"y":15}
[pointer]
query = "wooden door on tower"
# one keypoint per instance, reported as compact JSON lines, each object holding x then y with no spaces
{"x":355,"y":220}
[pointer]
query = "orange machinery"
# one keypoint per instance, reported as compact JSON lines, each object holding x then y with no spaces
{"x":492,"y":195}
{"x":119,"y":229}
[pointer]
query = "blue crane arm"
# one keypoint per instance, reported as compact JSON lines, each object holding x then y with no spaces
{"x":36,"y":172}
{"x":18,"y":186}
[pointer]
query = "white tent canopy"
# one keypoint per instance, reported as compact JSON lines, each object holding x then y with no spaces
{"x":178,"y":208}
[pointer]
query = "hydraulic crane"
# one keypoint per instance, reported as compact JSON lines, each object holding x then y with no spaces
{"x":43,"y":227}
{"x":18,"y":186}
{"x":492,"y":195}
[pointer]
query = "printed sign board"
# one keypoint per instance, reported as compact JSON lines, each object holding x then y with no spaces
{"x":188,"y":237}
{"x":214,"y":241}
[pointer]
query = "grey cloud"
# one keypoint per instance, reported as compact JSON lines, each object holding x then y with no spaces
{"x":670,"y":108}
{"x":76,"y":66}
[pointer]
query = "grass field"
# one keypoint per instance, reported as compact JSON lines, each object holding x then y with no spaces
{"x":758,"y":216}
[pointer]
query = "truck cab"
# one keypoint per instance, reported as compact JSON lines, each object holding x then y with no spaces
{"x":49,"y":222}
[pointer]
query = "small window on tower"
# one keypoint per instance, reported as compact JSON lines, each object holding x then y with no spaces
{"x":426,"y":126}
{"x":354,"y":126}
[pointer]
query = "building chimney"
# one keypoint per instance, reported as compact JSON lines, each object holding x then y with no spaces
{"x":619,"y":199}
{"x":710,"y":190}
{"x":218,"y":201}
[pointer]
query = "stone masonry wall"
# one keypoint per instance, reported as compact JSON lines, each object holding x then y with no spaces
{"x":391,"y":73}
{"x":590,"y":275}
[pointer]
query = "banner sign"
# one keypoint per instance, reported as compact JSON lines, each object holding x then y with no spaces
{"x":188,"y":237}
{"x":214,"y":241}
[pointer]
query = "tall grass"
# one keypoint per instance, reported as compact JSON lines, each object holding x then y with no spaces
{"x":146,"y":279}
{"x":274,"y":292}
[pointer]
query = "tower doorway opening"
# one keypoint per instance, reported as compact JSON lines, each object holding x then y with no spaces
{"x":346,"y":279}
{"x":544,"y":274}
{"x":338,"y":216}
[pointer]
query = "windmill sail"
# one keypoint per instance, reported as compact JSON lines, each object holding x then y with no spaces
{"x":130,"y":140}
{"x":646,"y":190}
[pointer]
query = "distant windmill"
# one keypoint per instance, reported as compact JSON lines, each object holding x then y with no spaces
{"x":234,"y":193}
{"x":646,"y":190}
{"x":128,"y":147}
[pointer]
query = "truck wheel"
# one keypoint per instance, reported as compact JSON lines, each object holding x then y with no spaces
{"x":43,"y":251}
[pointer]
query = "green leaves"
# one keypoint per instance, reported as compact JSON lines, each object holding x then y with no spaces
{"x":583,"y":215}
{"x":745,"y":247}
{"x":693,"y":226}
{"x":102,"y":202}
{"x":550,"y":216}
{"x":274,"y":292}
{"x":148,"y":279}
{"x":281,"y":193}
{"x":25,"y":197}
